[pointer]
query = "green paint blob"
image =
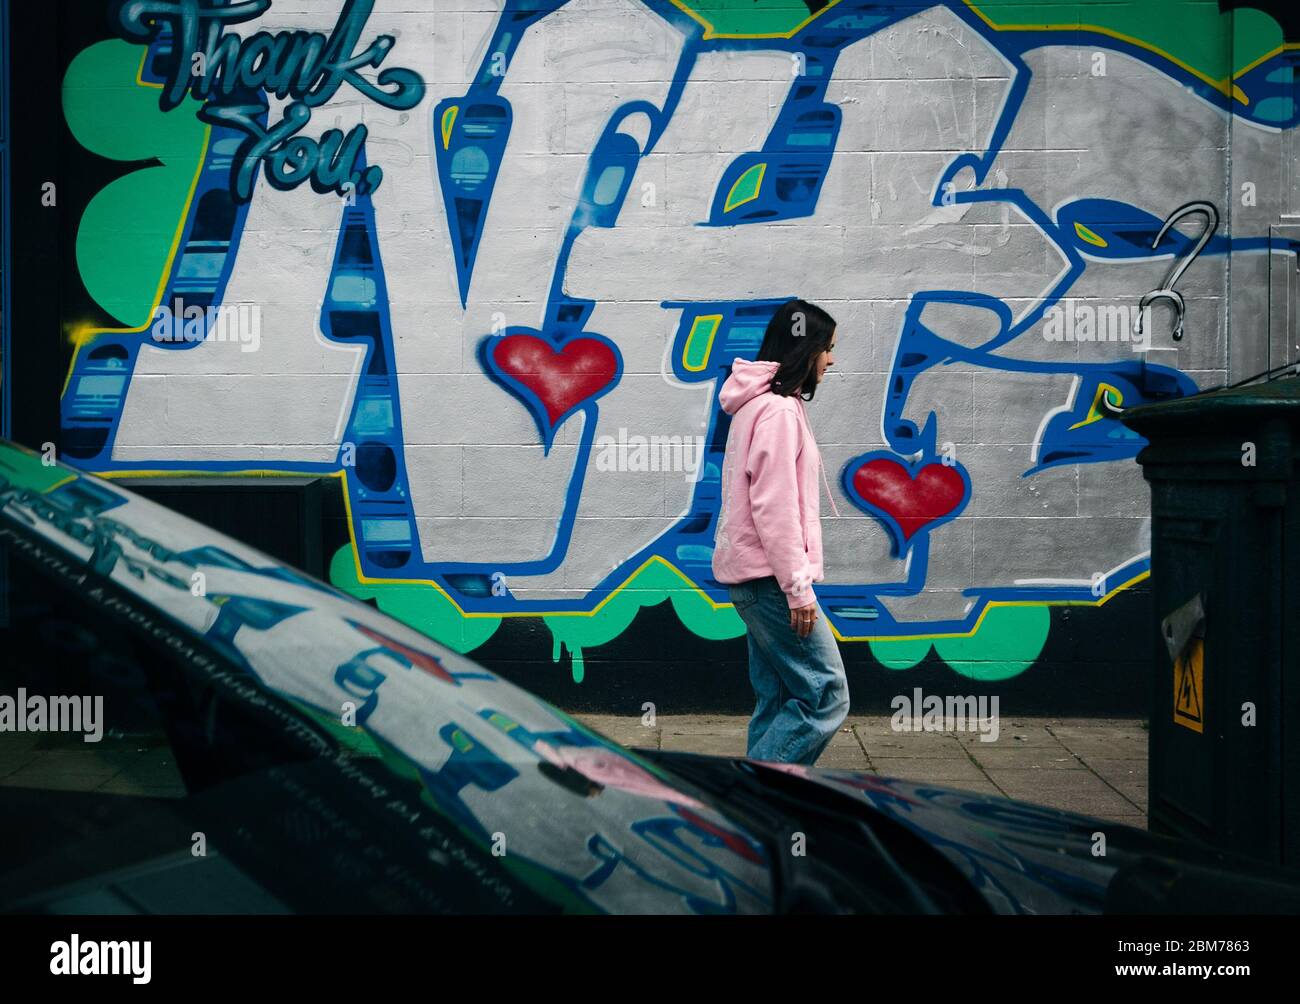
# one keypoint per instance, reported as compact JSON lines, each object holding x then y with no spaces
{"x":125,"y":236}
{"x":750,"y":17}
{"x":1007,"y":643}
{"x":746,"y":188}
{"x":1255,"y":35}
{"x":699,"y":342}
{"x":419,"y":604}
{"x":1192,"y":31}
{"x":902,"y":654}
{"x":653,"y":584}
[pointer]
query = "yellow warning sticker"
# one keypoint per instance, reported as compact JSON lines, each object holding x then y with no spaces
{"x":1189,"y":679}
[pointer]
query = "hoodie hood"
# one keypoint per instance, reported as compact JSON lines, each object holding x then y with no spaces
{"x":747,"y":381}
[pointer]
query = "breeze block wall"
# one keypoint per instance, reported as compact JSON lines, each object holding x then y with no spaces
{"x":485,"y":263}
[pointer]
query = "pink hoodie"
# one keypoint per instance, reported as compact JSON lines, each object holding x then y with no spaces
{"x":769,"y":523}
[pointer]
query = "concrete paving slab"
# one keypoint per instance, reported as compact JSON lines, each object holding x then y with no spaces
{"x":697,"y":742}
{"x":1013,"y":736}
{"x":1075,"y":791}
{"x":626,"y":730}
{"x":1093,"y":724}
{"x":1090,"y":749}
{"x":91,"y":756}
{"x":126,"y":786}
{"x":1033,"y":759}
{"x":845,"y":759}
{"x":1130,"y":732}
{"x":980,"y":787}
{"x":1122,"y":768}
{"x":1029,"y":757}
{"x":56,"y":780}
{"x":15,"y":760}
{"x":928,"y":768}
{"x":702,"y":724}
{"x":16,"y":742}
{"x":871,"y":723}
{"x":920,"y":744}
{"x":1130,"y":782}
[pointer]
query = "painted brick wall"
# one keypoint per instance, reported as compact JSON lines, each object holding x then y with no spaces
{"x":492,"y":280}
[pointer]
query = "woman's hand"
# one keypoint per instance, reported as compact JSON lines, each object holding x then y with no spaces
{"x":803,"y":618}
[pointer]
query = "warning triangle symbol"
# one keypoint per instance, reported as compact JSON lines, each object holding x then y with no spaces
{"x":1188,"y":701}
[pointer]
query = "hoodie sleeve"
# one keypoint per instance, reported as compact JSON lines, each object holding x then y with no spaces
{"x":774,"y":503}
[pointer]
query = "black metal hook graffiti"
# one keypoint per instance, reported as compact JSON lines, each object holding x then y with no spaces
{"x":1180,"y":265}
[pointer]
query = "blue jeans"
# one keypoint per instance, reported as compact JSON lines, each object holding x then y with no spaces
{"x":803,"y":694}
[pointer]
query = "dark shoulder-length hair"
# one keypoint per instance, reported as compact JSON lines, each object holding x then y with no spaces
{"x":797,"y":334}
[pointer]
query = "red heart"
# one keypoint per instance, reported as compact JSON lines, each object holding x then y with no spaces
{"x":560,"y":380}
{"x":911,"y":502}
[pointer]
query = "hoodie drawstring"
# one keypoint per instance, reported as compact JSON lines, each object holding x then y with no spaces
{"x":828,"y":487}
{"x":820,"y":466}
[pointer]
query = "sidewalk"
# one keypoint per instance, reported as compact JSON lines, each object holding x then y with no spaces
{"x":1090,"y":765}
{"x":1095,"y":766}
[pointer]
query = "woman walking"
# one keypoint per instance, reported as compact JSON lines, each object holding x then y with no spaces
{"x":768,"y":544}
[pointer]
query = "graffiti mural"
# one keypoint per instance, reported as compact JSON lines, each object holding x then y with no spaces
{"x":530,"y":231}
